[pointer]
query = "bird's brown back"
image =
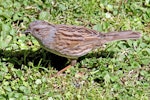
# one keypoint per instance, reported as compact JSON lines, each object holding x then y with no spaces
{"x":73,"y":41}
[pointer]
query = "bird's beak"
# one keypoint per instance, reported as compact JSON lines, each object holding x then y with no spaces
{"x":27,"y":31}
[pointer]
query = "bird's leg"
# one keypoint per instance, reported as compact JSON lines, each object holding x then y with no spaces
{"x":73,"y":62}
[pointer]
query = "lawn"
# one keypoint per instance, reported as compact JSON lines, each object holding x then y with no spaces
{"x":118,"y":71}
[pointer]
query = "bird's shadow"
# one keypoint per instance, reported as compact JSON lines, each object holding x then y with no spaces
{"x":42,"y":57}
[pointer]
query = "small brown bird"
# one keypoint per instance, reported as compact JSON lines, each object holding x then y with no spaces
{"x":73,"y":42}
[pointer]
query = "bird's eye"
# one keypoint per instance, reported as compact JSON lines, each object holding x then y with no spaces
{"x":37,"y":29}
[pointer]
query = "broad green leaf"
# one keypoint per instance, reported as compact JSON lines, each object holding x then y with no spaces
{"x":98,"y":27}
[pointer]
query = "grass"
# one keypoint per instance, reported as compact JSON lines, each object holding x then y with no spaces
{"x":120,"y":71}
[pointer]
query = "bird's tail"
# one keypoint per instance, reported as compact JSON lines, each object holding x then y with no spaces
{"x":123,"y":35}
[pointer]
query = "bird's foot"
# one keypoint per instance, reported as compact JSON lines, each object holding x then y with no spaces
{"x":64,"y":69}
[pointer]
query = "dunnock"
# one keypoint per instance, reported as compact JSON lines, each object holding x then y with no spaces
{"x":73,"y":42}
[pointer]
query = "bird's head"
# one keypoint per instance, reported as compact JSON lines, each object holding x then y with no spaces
{"x":38,"y":28}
